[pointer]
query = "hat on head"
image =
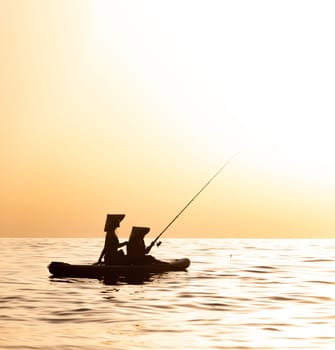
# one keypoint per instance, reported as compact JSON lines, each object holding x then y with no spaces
{"x":138,"y":232}
{"x":111,"y":220}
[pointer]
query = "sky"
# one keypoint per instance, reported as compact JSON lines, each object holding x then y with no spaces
{"x":127,"y":106}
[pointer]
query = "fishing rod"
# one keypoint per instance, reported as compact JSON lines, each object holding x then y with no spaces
{"x":193,"y":198}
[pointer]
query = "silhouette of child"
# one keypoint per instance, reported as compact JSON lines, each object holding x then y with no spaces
{"x":110,"y":252}
{"x":136,"y":250}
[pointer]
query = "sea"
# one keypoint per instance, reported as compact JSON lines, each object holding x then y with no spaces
{"x":236,"y":294}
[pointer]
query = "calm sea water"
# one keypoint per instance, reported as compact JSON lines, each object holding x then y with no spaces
{"x":237,"y":294}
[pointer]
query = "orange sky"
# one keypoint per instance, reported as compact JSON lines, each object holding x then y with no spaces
{"x":131,"y":106}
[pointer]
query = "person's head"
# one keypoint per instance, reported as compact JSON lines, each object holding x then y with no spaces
{"x":138,"y":233}
{"x":113,"y":221}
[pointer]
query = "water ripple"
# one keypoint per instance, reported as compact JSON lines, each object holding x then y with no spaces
{"x":237,"y":294}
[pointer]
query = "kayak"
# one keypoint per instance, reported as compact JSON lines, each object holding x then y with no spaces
{"x":99,"y":271}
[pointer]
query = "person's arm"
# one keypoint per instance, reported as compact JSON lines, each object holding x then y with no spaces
{"x":148,"y":248}
{"x":123,"y":244}
{"x":101,"y":255}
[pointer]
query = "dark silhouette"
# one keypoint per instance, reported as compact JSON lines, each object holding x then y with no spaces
{"x":110,"y":252}
{"x":138,"y":277}
{"x":136,"y":250}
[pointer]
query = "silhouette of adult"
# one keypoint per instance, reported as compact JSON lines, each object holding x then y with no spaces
{"x":110,"y":252}
{"x":136,"y":250}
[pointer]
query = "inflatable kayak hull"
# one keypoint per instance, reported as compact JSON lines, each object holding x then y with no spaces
{"x":100,"y":271}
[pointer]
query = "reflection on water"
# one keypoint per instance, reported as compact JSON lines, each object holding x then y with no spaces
{"x":237,"y":294}
{"x":114,"y":279}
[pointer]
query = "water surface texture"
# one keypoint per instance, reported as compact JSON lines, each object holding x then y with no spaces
{"x":237,"y":294}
